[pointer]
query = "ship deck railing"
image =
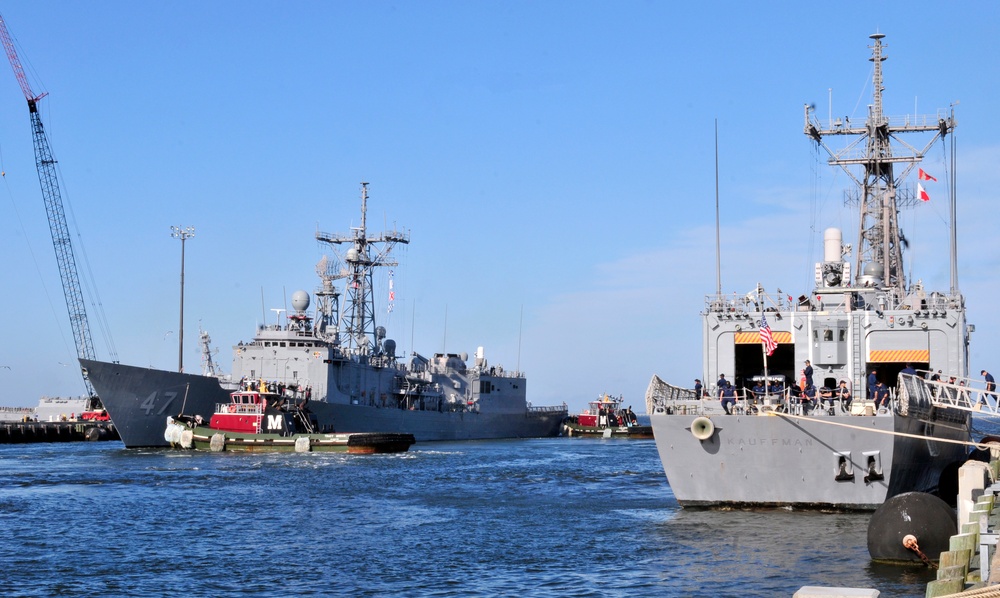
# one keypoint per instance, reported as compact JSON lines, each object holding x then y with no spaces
{"x":240,"y":408}
{"x":663,"y":397}
{"x":963,"y":394}
{"x":737,"y":305}
{"x":548,"y":408}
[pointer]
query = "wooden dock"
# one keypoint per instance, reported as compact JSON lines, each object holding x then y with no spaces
{"x":970,"y":567}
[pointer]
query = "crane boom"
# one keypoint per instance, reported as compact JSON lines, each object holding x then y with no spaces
{"x":61,"y":240}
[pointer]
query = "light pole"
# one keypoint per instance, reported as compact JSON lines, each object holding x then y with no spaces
{"x":183,"y":234}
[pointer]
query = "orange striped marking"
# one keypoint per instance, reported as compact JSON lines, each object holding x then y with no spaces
{"x":749,"y":338}
{"x":903,"y":356}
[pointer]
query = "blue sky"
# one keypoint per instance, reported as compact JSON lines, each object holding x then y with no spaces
{"x":553,"y":161}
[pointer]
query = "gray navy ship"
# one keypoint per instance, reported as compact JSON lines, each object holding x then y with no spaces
{"x":340,"y":364}
{"x":780,"y":443}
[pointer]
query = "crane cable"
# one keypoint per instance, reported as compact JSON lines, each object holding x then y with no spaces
{"x":31,"y":252}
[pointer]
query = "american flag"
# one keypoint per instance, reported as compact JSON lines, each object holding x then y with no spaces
{"x":766,"y":338}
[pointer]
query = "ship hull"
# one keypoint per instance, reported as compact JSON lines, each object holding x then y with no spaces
{"x":838,"y":462}
{"x":140,"y":399}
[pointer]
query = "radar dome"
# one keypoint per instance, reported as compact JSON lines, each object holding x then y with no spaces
{"x":872,"y":274}
{"x":300,"y":301}
{"x":390,"y":347}
{"x":873,"y":269}
{"x":351,"y":255}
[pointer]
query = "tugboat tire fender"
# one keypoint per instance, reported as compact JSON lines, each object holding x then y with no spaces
{"x":702,"y":428}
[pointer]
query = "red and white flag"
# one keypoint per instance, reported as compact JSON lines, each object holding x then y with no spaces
{"x":923,"y":176}
{"x":922,"y":194}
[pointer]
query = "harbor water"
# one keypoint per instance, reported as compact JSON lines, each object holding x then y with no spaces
{"x":556,"y":516}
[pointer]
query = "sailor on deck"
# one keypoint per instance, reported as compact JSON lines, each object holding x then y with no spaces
{"x":844,"y":394}
{"x":991,"y":385}
{"x":728,"y":396}
{"x":881,"y":395}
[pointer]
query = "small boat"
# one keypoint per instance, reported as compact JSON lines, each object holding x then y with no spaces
{"x":606,"y":418}
{"x":259,"y":421}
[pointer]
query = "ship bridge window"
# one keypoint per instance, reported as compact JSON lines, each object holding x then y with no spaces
{"x":843,"y":335}
{"x":828,"y":335}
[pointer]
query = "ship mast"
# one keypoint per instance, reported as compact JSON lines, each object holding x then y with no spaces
{"x":364,"y":254}
{"x":879,"y":191}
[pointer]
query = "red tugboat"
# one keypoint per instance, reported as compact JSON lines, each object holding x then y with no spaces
{"x":607,"y":419}
{"x":95,"y":411}
{"x":259,"y":421}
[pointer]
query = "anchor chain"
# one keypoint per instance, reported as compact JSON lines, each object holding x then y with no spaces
{"x":910,"y":543}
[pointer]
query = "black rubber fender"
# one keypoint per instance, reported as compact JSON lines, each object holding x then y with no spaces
{"x":926,"y":517}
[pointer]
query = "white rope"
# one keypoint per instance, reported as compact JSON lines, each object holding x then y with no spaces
{"x":984,"y":592}
{"x":901,"y":434}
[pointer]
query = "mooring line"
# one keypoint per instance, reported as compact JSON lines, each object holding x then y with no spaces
{"x":902,"y":434}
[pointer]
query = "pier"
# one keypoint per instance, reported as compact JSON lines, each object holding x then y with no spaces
{"x":971,"y":567}
{"x":57,"y":431}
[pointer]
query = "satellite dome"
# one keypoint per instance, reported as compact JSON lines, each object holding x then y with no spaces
{"x":351,"y":255}
{"x":300,"y":301}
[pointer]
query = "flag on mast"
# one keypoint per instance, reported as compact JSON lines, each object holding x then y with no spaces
{"x":921,"y":194}
{"x":766,"y":338}
{"x":392,"y":293}
{"x":923,"y":176}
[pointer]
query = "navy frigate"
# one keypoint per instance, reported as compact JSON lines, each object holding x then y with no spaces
{"x":339,"y":363}
{"x":848,"y":395}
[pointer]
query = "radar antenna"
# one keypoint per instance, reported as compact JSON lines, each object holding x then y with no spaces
{"x":879,"y":192}
{"x":358,"y":323}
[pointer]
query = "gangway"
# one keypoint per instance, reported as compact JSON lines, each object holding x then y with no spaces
{"x":964,"y":394}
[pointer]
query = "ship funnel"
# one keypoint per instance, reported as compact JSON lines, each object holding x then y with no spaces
{"x":832,"y":245}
